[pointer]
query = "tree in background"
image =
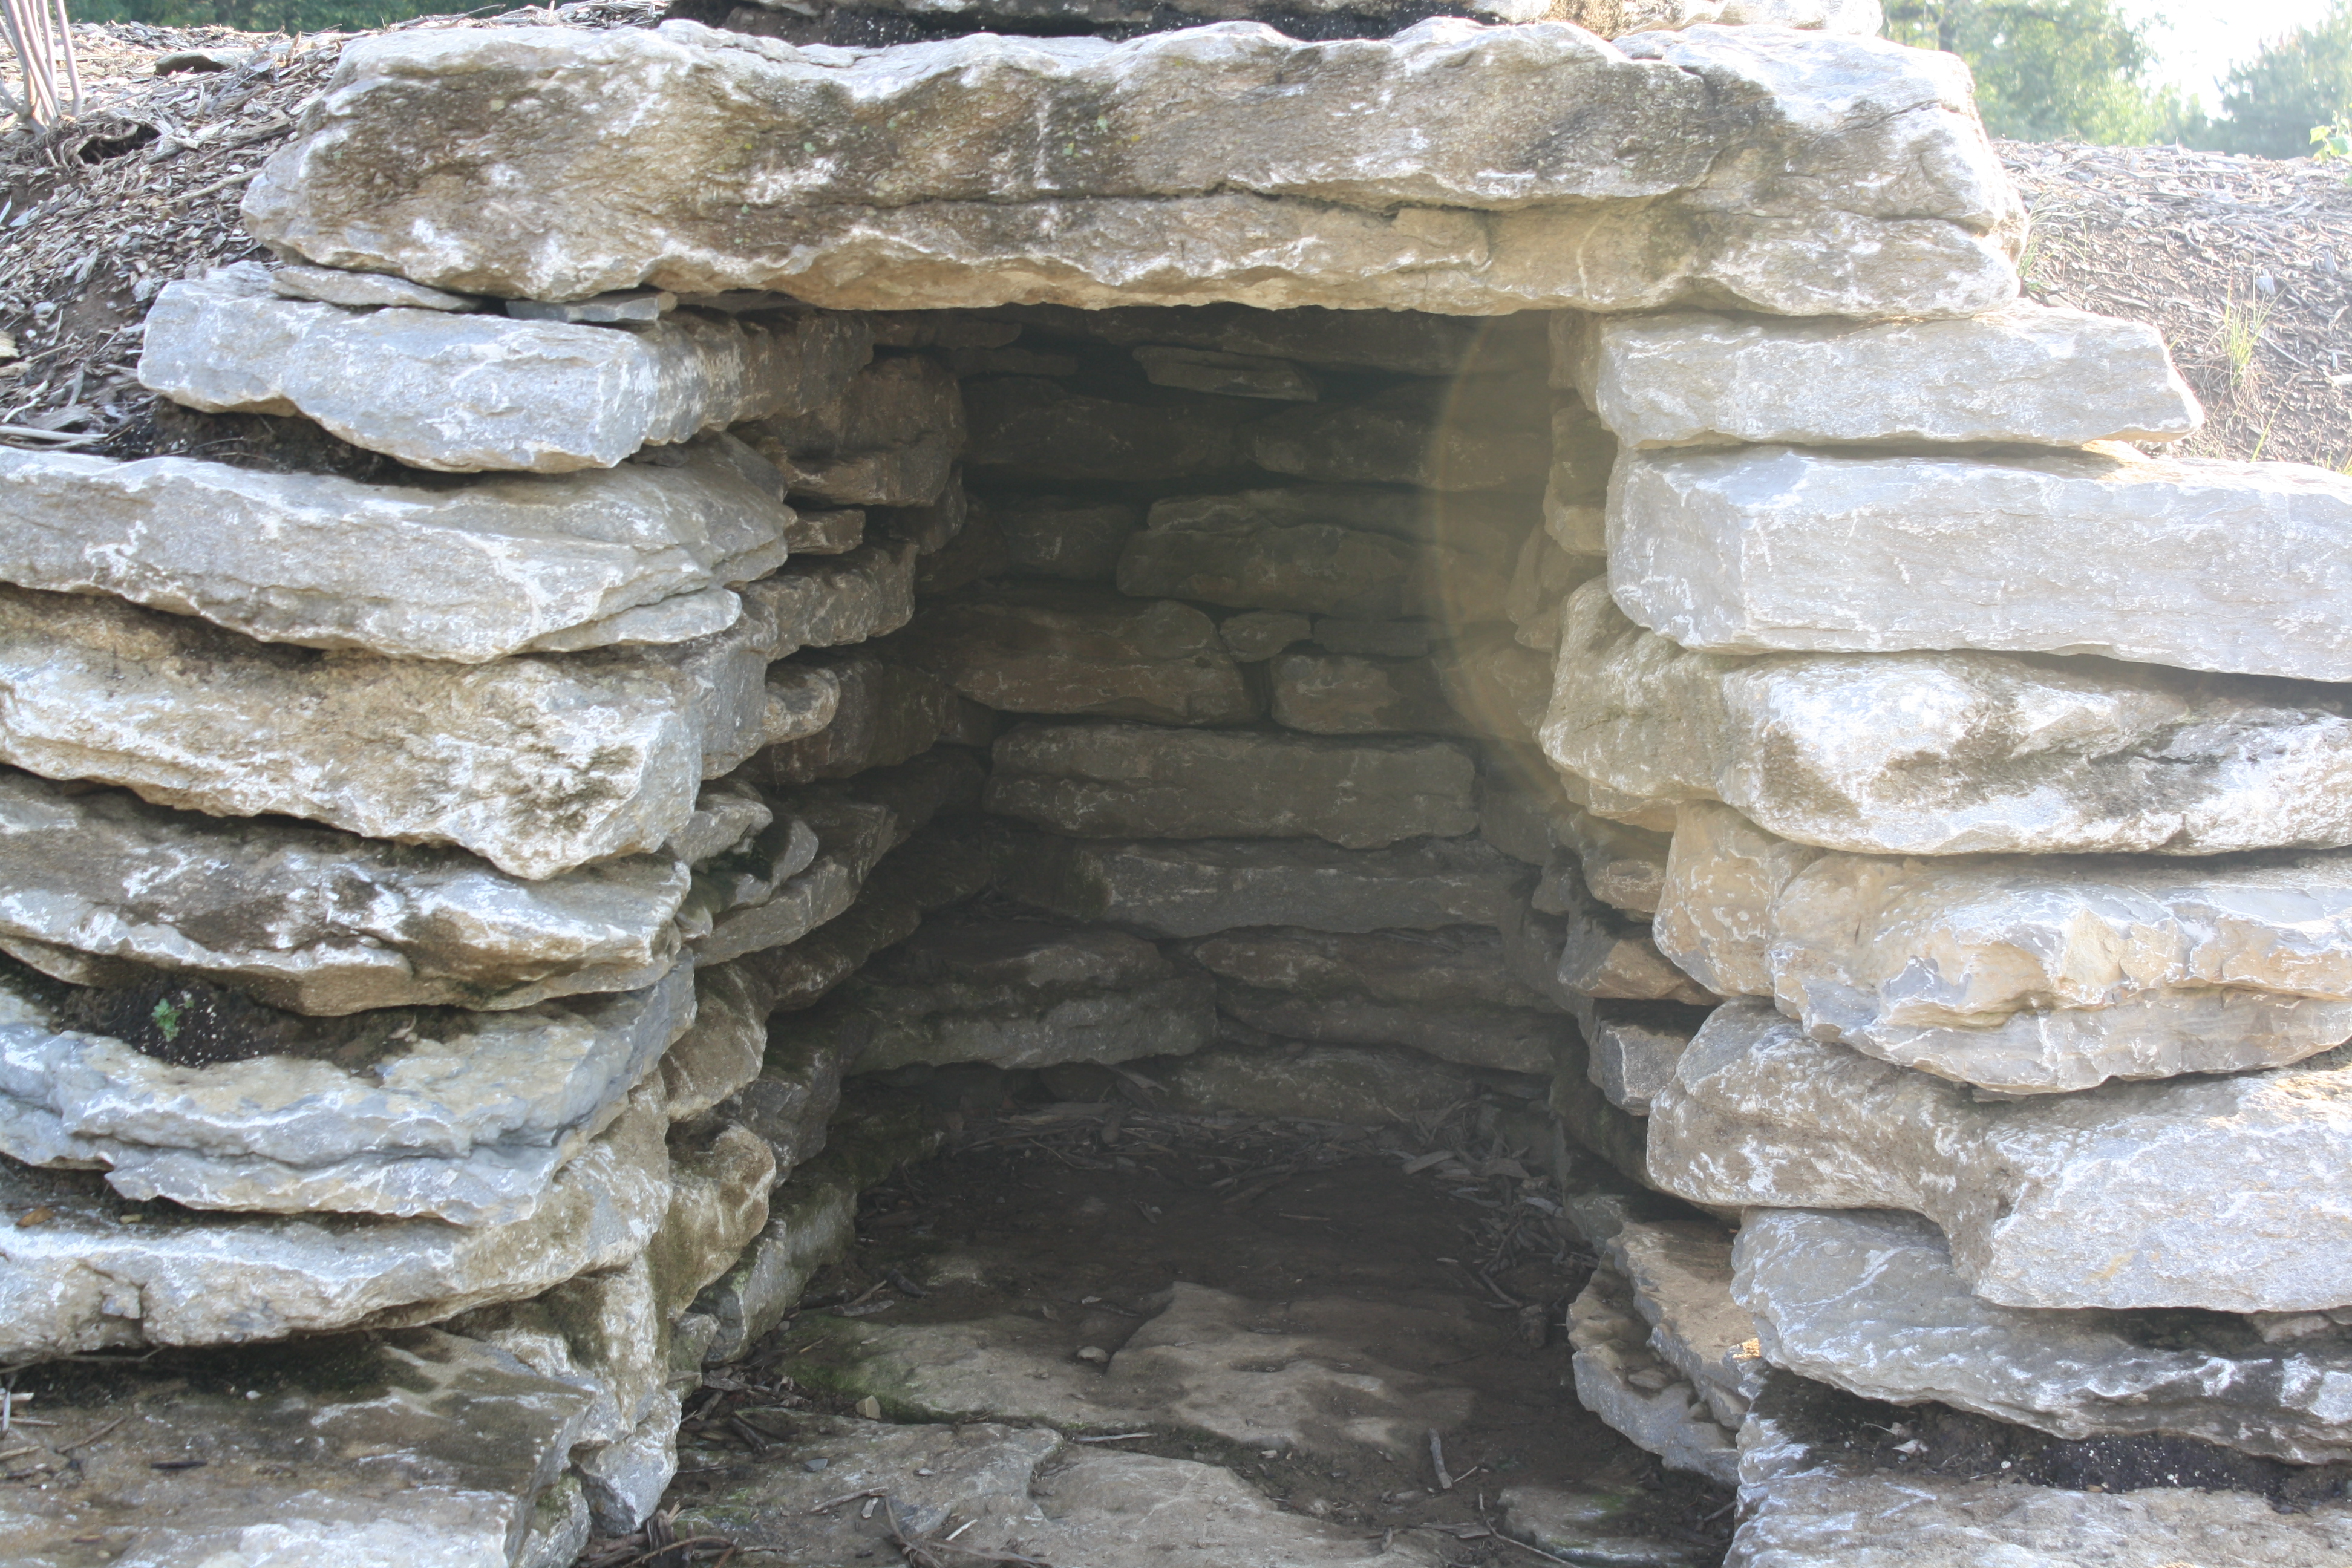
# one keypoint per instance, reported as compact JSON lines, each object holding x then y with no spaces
{"x":2270,"y":104}
{"x":2049,"y":70}
{"x":260,"y":16}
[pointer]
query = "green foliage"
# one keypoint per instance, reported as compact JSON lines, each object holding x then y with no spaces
{"x":2270,"y":104}
{"x":260,"y":15}
{"x":167,"y":1019}
{"x":2048,"y":70}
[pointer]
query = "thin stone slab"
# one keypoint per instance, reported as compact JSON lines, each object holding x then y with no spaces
{"x":1299,"y":198}
{"x":1681,"y":1276}
{"x":470,"y":575}
{"x":889,"y":709}
{"x":1622,"y":1379}
{"x":92,"y":1277}
{"x":1047,"y":648}
{"x":1631,"y":1049}
{"x":1715,"y":906}
{"x":2221,"y":1192}
{"x":463,"y":1116}
{"x":1601,"y":953}
{"x":1228,"y":374}
{"x":1948,"y":754}
{"x":1347,"y":694}
{"x":460,"y":394}
{"x":890,"y":439}
{"x":939,"y":866}
{"x":1198,"y":887}
{"x":1120,"y":781}
{"x":2027,"y":373}
{"x":2199,"y":563}
{"x":1869,"y":1302}
{"x":1473,"y":435}
{"x":362,"y":291}
{"x":1032,"y":431}
{"x":96,"y":883}
{"x":866,"y":592}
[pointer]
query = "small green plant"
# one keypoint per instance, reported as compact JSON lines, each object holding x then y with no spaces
{"x":2332,"y":144}
{"x":167,"y":1017}
{"x":2243,"y":323}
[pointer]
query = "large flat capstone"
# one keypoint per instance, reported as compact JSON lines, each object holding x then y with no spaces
{"x":2221,"y":1192}
{"x":2196,"y":562}
{"x":1797,"y":173}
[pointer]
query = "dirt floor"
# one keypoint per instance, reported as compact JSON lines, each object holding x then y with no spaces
{"x":1081,"y":1219}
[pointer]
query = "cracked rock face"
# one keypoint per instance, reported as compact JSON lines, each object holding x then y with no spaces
{"x":981,"y":171}
{"x":2219,"y":1193}
{"x":1946,"y":754}
{"x":1870,"y":1302}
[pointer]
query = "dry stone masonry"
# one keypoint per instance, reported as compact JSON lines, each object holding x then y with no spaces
{"x":1397,"y":549}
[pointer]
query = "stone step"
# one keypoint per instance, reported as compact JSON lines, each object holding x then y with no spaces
{"x":2221,"y":1192}
{"x":463,"y":392}
{"x":1295,"y":197}
{"x":1946,"y":754}
{"x":2232,"y":566}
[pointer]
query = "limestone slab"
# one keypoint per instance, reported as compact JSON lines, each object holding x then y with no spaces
{"x":1117,"y":779}
{"x":936,"y":868}
{"x":889,"y":709}
{"x":1229,"y":374}
{"x":1624,"y":1381}
{"x":1347,"y":694}
{"x":1869,"y":1302}
{"x":1604,"y":955}
{"x":888,"y":439}
{"x":362,"y":291}
{"x":1036,"y":430}
{"x":2219,"y":1193}
{"x":1046,"y":648}
{"x":1715,"y":906}
{"x":1071,"y":537}
{"x":1193,"y":888}
{"x":1944,"y":753}
{"x":867,"y":591}
{"x":2027,"y":372}
{"x":1681,"y":1275}
{"x":2199,"y":563}
{"x":1631,"y":1049}
{"x":1473,"y":435}
{"x":460,"y":394}
{"x":469,"y":575}
{"x":956,"y":182}
{"x":309,"y":919}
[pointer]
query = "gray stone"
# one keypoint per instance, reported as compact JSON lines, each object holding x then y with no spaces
{"x":629,"y":306}
{"x":1681,"y":1275}
{"x":1543,"y":580}
{"x":1345,"y":694}
{"x":1133,"y":1511}
{"x":1255,"y":636}
{"x":1378,"y":639}
{"x":1624,"y":1381}
{"x":363,"y":289}
{"x":810,"y":1223}
{"x":419,"y":1449}
{"x":1063,"y":536}
{"x":1043,"y":431}
{"x":1296,"y":199}
{"x":1559,"y":1522}
{"x":867,"y":591}
{"x":1944,"y":753}
{"x":1631,"y":1049}
{"x":1052,"y":649}
{"x":2221,"y":1192}
{"x":1446,"y":993}
{"x":1364,"y":1086}
{"x":99,"y":884}
{"x":1601,"y":953}
{"x":99,"y":1272}
{"x":2024,"y":374}
{"x":720,"y":1054}
{"x":934,"y":870}
{"x":1118,"y":780}
{"x":890,"y":439}
{"x":1203,"y":886}
{"x":1714,"y":908}
{"x":1405,"y":343}
{"x":465,"y":393}
{"x":890,"y":709}
{"x":1869,"y":1302}
{"x":1622,"y":865}
{"x":1494,"y":682}
{"x":1472,"y":434}
{"x":2232,"y":564}
{"x":467,"y":574}
{"x":1231,"y":375}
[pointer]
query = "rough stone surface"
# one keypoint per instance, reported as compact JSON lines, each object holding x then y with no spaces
{"x":1231,"y":376}
{"x":1255,"y":636}
{"x":1044,"y":648}
{"x":1346,"y":694}
{"x":1115,"y":780}
{"x":362,"y":291}
{"x":888,"y":439}
{"x":1602,"y":953}
{"x":98,"y":883}
{"x":1624,"y":1381}
{"x":2024,"y":374}
{"x":866,"y":592}
{"x":890,"y":709}
{"x":87,"y":1278}
{"x":2221,"y":1192}
{"x":1042,"y":431}
{"x":465,"y":393}
{"x":1714,"y":908}
{"x":1405,"y":343}
{"x":1631,"y":1049}
{"x":1681,"y":1276}
{"x":2232,"y":565}
{"x":1946,"y":753}
{"x":1365,"y":1086}
{"x":1473,"y":435}
{"x":638,"y":554}
{"x":934,"y":870}
{"x":992,"y":199}
{"x":1063,"y":536}
{"x":1869,"y":1302}
{"x":810,"y":1223}
{"x":1196,"y":888}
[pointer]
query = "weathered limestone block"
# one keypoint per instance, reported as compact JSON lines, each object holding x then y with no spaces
{"x":1869,"y":1302}
{"x":1404,"y":342}
{"x":1542,"y":579}
{"x":95,"y":884}
{"x":2221,"y":1192}
{"x":1378,"y":639}
{"x":1117,"y":781}
{"x":464,"y":392}
{"x":2234,"y":565}
{"x":1621,"y":865}
{"x":1042,"y":430}
{"x":1818,"y":1489}
{"x":2027,"y":373}
{"x":890,"y":439}
{"x":1715,"y":907}
{"x":416,"y":1449}
{"x":1063,"y":536}
{"x":1047,"y":648}
{"x":960,"y":178}
{"x":637,"y":555}
{"x":1630,"y":1048}
{"x":866,"y":592}
{"x":463,"y":1116}
{"x":1946,"y":753}
{"x":1346,"y":694}
{"x":1365,"y":1086}
{"x":890,"y":709}
{"x":1018,"y":993}
{"x":362,"y":291}
{"x":1622,"y":1379}
{"x":88,"y":1277}
{"x":1446,"y":993}
{"x":1586,"y":1121}
{"x":1255,"y":636}
{"x":1681,"y":1276}
{"x":1473,"y":435}
{"x":1602,"y":953}
{"x":812,"y":1220}
{"x":1200,"y":886}
{"x":1498,"y":686}
{"x":934,"y":870}
{"x":1227,"y":374}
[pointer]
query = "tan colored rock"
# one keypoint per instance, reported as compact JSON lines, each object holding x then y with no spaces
{"x":1115,"y":780}
{"x":1681,"y":1275}
{"x":1795,"y":206}
{"x":1715,"y":910}
{"x":1043,"y":648}
{"x":1228,"y":374}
